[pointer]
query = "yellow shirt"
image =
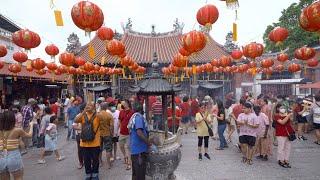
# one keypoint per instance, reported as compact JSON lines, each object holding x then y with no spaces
{"x":96,"y":141}
{"x":202,"y":129}
{"x":106,"y":122}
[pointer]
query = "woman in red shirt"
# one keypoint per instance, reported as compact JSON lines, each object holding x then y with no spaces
{"x":124,"y":117}
{"x":283,"y":129}
{"x":185,"y":114}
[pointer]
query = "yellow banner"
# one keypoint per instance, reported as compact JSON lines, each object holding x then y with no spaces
{"x":234,"y":32}
{"x":58,"y":17}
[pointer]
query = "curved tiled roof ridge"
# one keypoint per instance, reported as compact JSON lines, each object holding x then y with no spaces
{"x":141,"y":46}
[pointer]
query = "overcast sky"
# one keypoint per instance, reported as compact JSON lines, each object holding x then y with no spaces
{"x":36,"y":15}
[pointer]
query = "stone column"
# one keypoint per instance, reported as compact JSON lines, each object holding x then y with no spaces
{"x":114,"y":85}
{"x":256,"y":86}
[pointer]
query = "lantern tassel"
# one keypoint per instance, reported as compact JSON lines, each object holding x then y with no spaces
{"x":234,"y":32}
{"x":58,"y":17}
{"x":92,"y":53}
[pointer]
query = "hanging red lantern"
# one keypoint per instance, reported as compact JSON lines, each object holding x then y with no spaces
{"x":227,"y":69}
{"x":266,"y":63}
{"x":225,"y":61}
{"x":312,"y":62}
{"x":88,"y":66}
{"x":72,"y":70}
{"x":20,"y":57}
{"x":215,"y":62}
{"x":309,"y":17}
{"x":208,"y":67}
{"x":52,"y":50}
{"x":57,"y":72}
{"x":1,"y":64}
{"x":52,"y":66}
{"x":87,"y":16}
{"x":127,"y":61}
{"x":134,"y":66}
{"x":236,"y":54}
{"x":67,"y":59}
{"x":14,"y":68}
{"x":278,"y":34}
{"x":29,"y":68}
{"x":80,"y":61}
{"x":105,"y":34}
{"x":26,"y":39}
{"x":279,"y":68}
{"x":283,"y":57}
{"x":3,"y":51}
{"x":180,"y":61}
{"x":304,"y":53}
{"x":184,"y":52}
{"x":252,"y":64}
{"x":243,"y":68}
{"x":115,"y":48}
{"x":63,"y":69}
{"x":38,"y":64}
{"x":41,"y":72}
{"x":207,"y":15}
{"x":253,"y":50}
{"x":96,"y":67}
{"x":268,"y":71}
{"x":294,"y":68}
{"x":194,"y":41}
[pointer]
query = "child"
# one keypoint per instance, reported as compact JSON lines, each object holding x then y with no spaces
{"x":51,"y":138}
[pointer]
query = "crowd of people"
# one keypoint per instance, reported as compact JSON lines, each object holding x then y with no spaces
{"x":101,"y":127}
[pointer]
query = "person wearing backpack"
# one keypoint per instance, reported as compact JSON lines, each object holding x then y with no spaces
{"x":90,"y":140}
{"x":315,"y":109}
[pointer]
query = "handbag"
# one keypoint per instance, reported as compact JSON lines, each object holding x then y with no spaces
{"x":291,"y":136}
{"x":209,"y":129}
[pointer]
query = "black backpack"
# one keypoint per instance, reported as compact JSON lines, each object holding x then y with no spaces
{"x":87,"y":132}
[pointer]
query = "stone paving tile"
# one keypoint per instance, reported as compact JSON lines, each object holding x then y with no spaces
{"x":226,"y":164}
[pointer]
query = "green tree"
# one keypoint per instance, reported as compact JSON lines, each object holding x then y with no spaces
{"x":297,"y":36}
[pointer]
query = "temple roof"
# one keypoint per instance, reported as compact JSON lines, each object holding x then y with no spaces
{"x":8,"y":25}
{"x":141,"y":46}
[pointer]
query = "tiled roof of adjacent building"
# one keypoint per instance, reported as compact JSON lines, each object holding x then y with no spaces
{"x":141,"y":46}
{"x":7,"y":24}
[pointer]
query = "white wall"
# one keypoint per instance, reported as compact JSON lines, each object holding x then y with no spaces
{"x":11,"y":47}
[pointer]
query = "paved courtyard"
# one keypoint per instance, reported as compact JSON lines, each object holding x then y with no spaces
{"x":305,"y":160}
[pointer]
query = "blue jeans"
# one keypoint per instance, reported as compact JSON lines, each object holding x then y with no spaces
{"x":221,"y":129}
{"x":70,"y":129}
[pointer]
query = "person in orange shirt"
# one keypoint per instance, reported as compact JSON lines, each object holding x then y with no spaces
{"x":91,"y":149}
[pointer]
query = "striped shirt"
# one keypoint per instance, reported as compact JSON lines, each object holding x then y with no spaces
{"x":157,"y":108}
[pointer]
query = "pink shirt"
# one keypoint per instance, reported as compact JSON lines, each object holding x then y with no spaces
{"x":252,"y":120}
{"x":263,"y":122}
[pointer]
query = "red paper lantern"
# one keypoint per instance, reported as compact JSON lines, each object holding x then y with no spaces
{"x":207,"y":15}
{"x":88,"y":66}
{"x":127,"y":61}
{"x":304,"y":53}
{"x":105,"y":33}
{"x":252,"y":64}
{"x":80,"y":61}
{"x":1,"y":64}
{"x":184,"y":52}
{"x":57,"y":72}
{"x":180,"y":61}
{"x":294,"y":68}
{"x":115,"y":48}
{"x":215,"y":62}
{"x":72,"y":70}
{"x":38,"y":64}
{"x":283,"y":57}
{"x":309,"y":17}
{"x":14,"y":68}
{"x":278,"y":34}
{"x":52,"y":66}
{"x":225,"y":61}
{"x":312,"y":62}
{"x":236,"y":54}
{"x":29,"y":68}
{"x":266,"y":63}
{"x":268,"y":71}
{"x":26,"y":39}
{"x":134,"y":66}
{"x":96,"y":67}
{"x":52,"y":50}
{"x":87,"y":16}
{"x":3,"y":51}
{"x":194,"y":41}
{"x":63,"y":69}
{"x":41,"y":72}
{"x":67,"y":59}
{"x":253,"y":50}
{"x":279,"y":68}
{"x":20,"y":57}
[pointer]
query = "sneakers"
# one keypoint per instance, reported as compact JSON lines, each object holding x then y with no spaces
{"x":302,"y":138}
{"x":200,"y":157}
{"x":259,"y":157}
{"x":61,"y":158}
{"x":193,"y":131}
{"x":265,"y":158}
{"x":207,"y":156}
{"x":41,"y":161}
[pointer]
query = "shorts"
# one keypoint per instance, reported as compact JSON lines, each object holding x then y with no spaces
{"x":106,"y":143}
{"x":115,"y":139}
{"x":316,"y":125}
{"x":11,"y":162}
{"x":185,"y":119}
{"x":302,"y":120}
{"x":245,"y":139}
{"x":124,"y":140}
{"x":41,"y":142}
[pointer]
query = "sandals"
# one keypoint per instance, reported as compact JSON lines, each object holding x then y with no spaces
{"x":282,"y":164}
{"x":249,"y":161}
{"x":317,"y":142}
{"x":60,"y":158}
{"x":128,"y":168}
{"x":244,"y":159}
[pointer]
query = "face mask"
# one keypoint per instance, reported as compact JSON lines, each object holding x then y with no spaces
{"x":282,"y":110}
{"x":113,"y":109}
